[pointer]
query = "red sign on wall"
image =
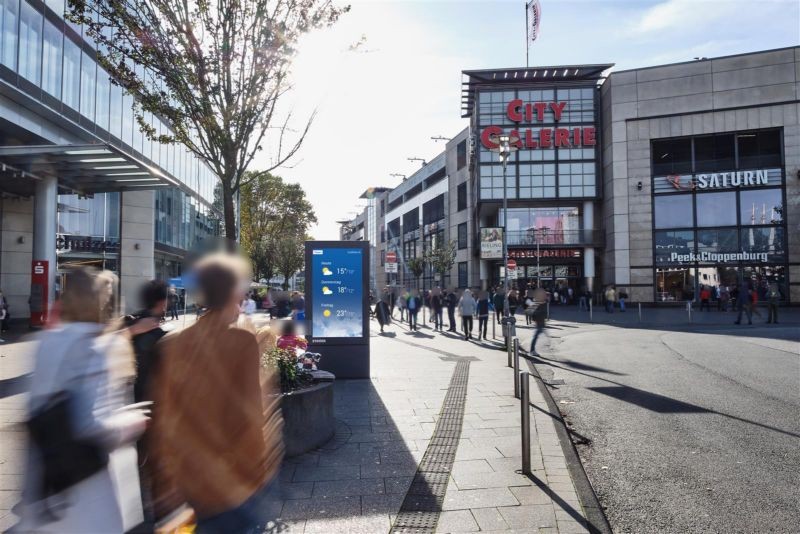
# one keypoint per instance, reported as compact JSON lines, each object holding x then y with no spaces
{"x":533,"y":112}
{"x":39,"y":292}
{"x":558,"y":253}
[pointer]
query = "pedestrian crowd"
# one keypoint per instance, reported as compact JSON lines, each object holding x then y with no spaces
{"x":131,"y":426}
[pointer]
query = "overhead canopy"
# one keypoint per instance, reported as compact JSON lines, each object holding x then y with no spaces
{"x":83,"y":169}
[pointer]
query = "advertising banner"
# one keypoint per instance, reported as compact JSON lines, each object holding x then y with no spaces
{"x":491,"y":243}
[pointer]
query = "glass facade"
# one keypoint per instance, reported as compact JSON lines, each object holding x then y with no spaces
{"x":566,"y":171}
{"x":180,"y":220}
{"x":36,"y":46}
{"x":719,"y":214}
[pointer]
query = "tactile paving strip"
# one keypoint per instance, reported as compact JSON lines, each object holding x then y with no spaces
{"x":422,"y":505}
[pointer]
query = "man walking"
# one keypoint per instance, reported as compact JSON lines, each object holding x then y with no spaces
{"x":611,"y":297}
{"x":744,"y":303}
{"x":773,"y":298}
{"x":451,"y":301}
{"x":216,"y":432}
{"x":172,"y":304}
{"x":538,"y":316}
{"x":437,"y":305}
{"x":499,"y":304}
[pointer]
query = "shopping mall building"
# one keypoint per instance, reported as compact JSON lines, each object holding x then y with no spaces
{"x":80,"y":184}
{"x":658,"y":180}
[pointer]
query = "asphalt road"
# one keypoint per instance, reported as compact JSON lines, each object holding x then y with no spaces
{"x":688,"y":431}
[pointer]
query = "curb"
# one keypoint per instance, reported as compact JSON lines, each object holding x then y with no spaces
{"x":595,"y":517}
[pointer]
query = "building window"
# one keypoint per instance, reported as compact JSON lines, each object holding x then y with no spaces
{"x":10,"y":20}
{"x":714,"y":152}
{"x":433,"y":210}
{"x":462,"y":235}
{"x":718,"y":240}
{"x":491,"y":182}
{"x":88,"y":86}
{"x":716,"y":209}
{"x":51,"y":58}
{"x":383,"y":258}
{"x":761,"y":206}
{"x":576,"y":180}
{"x":461,"y":194}
{"x":671,"y":244}
{"x":383,"y":235}
{"x":461,"y":155}
{"x":538,"y":180}
{"x":70,"y":94}
{"x":411,"y":220}
{"x":672,"y":156}
{"x":462,"y":274}
{"x":674,"y":211}
{"x":759,"y":149}
{"x":393,"y":228}
{"x":30,"y":39}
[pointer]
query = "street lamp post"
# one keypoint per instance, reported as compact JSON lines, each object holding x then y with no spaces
{"x":505,"y":145}
{"x":539,"y":233}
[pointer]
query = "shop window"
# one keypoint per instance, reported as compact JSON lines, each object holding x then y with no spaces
{"x":462,"y":235}
{"x":462,"y":274}
{"x":760,"y":206}
{"x":461,"y":155}
{"x":411,"y":220}
{"x":461,"y":194}
{"x":761,"y":276}
{"x":717,"y":240}
{"x":766,"y":241}
{"x":673,"y":211}
{"x":716,"y":209}
{"x":673,"y":244}
{"x":759,"y":149}
{"x":672,"y":156}
{"x":714,"y":153}
{"x":675,"y":284}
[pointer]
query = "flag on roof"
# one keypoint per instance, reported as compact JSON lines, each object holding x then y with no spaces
{"x":534,"y":19}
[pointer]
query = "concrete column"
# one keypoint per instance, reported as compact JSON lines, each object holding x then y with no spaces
{"x":45,"y":227}
{"x":16,"y":251}
{"x":588,"y":252}
{"x":137,"y":253}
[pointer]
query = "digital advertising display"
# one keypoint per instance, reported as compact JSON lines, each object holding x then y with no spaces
{"x":338,"y":295}
{"x":337,"y":305}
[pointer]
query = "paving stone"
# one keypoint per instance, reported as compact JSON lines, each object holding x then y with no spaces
{"x":531,"y":495}
{"x":397,"y":484}
{"x":529,"y":515}
{"x":457,"y":521}
{"x":502,"y":479}
{"x":478,"y":498}
{"x":296,"y":490}
{"x":476,"y":453}
{"x":489,"y":519}
{"x":388,"y":470}
{"x":362,"y":524}
{"x":471,"y":466}
{"x":333,"y":488}
{"x":313,"y":474}
{"x":382,"y":504}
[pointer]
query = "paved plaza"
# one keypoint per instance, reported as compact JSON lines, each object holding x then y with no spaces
{"x":359,"y":481}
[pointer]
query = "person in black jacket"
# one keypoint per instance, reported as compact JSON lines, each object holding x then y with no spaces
{"x":437,"y":304}
{"x":483,"y":314}
{"x":153,"y":296}
{"x":451,"y":301}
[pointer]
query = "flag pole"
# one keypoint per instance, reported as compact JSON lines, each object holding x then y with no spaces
{"x":527,"y":44}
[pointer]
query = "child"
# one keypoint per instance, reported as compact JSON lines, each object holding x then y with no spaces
{"x":289,"y":339}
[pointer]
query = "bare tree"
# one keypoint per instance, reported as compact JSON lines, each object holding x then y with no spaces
{"x":442,"y":258}
{"x":417,"y":267}
{"x":213,"y":70}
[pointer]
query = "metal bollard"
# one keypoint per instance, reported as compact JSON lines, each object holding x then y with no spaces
{"x":494,"y":325}
{"x":516,"y":367}
{"x":509,"y":347}
{"x":689,"y":310}
{"x":525,"y":416}
{"x":640,"y":312}
{"x":591,"y":320}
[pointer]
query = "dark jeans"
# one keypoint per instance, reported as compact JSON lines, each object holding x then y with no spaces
{"x":539,"y":328}
{"x":466,"y":322}
{"x":250,"y":517}
{"x":747,"y":309}
{"x":498,"y":314}
{"x":483,"y":324}
{"x":772,"y":308}
{"x":705,"y":304}
{"x":412,"y":319}
{"x":451,"y":316}
{"x":610,"y":306}
{"x":173,"y":312}
{"x":438,"y":319}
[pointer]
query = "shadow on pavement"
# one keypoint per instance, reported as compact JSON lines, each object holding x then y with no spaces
{"x":14,"y":385}
{"x":652,"y":401}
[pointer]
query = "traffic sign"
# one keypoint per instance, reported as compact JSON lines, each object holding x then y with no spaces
{"x":391,"y":257}
{"x":512,"y":264}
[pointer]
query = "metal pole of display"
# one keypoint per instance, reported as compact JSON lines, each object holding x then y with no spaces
{"x":525,"y":416}
{"x":516,"y":367}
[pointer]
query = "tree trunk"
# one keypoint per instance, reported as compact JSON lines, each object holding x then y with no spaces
{"x":229,"y":211}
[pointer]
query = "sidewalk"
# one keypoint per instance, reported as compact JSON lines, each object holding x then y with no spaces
{"x":382,"y":458}
{"x":360,"y":483}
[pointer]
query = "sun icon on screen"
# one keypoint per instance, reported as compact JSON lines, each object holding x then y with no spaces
{"x":326,"y":313}
{"x":326,"y":271}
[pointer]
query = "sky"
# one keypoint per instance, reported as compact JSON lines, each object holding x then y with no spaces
{"x":387,"y":76}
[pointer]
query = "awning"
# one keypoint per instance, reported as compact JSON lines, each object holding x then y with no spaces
{"x":82,"y":169}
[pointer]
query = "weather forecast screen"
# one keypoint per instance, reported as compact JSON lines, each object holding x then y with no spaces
{"x":338,"y":295}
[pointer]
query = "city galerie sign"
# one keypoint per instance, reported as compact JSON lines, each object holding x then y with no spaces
{"x":533,"y":112}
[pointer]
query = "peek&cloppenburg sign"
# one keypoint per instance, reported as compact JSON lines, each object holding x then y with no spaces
{"x":531,"y":113}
